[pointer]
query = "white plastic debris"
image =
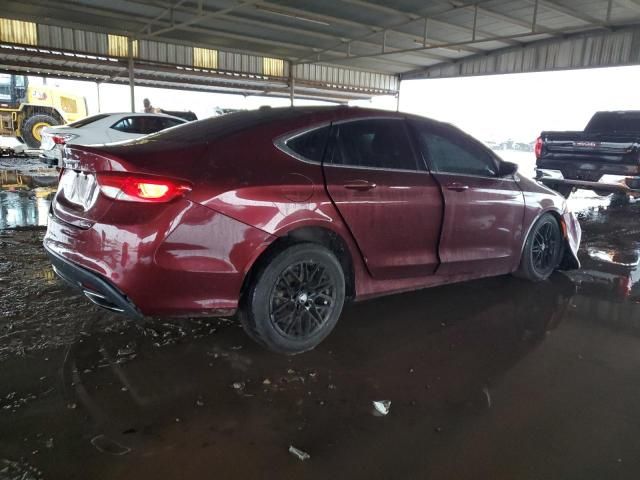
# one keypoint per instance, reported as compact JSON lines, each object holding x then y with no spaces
{"x":299,"y":453}
{"x":381,"y":407}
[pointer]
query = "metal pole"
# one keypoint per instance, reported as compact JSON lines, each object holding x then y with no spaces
{"x":98,"y":90}
{"x":131,"y":81}
{"x":292,"y":83}
{"x":475,"y":22}
{"x":426,"y":31}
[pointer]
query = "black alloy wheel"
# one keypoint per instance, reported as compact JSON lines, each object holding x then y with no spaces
{"x":294,"y":298}
{"x":302,"y":299}
{"x":542,"y":250}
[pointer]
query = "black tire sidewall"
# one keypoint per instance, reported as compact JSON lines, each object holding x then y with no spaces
{"x":256,"y":309}
{"x":27,"y":127}
{"x":527,"y":269}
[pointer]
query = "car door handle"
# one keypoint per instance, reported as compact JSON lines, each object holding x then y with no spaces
{"x":360,"y":185}
{"x":457,"y":187}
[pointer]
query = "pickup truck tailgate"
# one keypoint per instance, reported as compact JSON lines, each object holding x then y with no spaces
{"x":578,"y":146}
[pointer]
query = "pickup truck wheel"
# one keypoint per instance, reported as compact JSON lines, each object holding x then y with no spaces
{"x":564,"y":190}
{"x":542,"y":251}
{"x":294,"y":299}
{"x":619,"y":200}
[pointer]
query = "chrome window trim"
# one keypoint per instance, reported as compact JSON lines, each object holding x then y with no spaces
{"x":281,"y":142}
{"x":330,"y":165}
{"x":379,"y":117}
{"x":508,"y":177}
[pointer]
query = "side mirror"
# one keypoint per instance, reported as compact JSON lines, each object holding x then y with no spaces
{"x":507,"y":169}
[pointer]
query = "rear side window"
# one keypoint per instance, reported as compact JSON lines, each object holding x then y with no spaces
{"x":140,"y":125}
{"x":377,"y":143}
{"x":622,"y":122}
{"x":453,"y":152}
{"x":310,"y":145}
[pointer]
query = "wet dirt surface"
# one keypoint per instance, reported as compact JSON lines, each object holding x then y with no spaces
{"x":498,"y":379}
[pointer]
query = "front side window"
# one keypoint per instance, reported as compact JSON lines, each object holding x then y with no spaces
{"x":376,"y":143}
{"x":310,"y":145}
{"x":446,"y":153}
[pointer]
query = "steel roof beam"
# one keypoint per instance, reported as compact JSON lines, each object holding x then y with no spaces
{"x":413,"y":16}
{"x":374,"y":29}
{"x":299,"y":31}
{"x":196,"y":29}
{"x":456,"y":44}
{"x":204,"y":16}
{"x":570,"y":12}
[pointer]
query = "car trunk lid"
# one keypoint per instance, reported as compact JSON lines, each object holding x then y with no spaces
{"x":79,"y":201}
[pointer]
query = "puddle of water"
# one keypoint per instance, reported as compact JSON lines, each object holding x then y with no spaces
{"x":24,"y":208}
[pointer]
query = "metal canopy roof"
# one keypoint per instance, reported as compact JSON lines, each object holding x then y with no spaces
{"x":352,"y":48}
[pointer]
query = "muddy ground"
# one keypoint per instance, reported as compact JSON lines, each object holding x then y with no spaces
{"x":494,"y":379}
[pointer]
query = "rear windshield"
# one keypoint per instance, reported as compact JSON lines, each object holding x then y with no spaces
{"x":88,"y":120}
{"x":619,"y":122}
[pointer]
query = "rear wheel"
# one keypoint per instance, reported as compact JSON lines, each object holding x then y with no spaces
{"x":32,"y":129}
{"x":542,"y":251}
{"x":294,"y":299}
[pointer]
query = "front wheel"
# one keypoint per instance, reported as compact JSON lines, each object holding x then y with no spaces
{"x":294,"y":299}
{"x":542,"y":251}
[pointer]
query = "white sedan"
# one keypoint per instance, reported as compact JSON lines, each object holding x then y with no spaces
{"x":102,"y":128}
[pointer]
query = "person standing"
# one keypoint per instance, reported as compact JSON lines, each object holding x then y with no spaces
{"x":148,"y":108}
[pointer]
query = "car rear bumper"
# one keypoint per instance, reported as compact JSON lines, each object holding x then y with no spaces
{"x":607,"y":183}
{"x":94,"y":287}
{"x":184,"y":260}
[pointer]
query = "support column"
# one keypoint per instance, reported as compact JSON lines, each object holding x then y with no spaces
{"x":98,"y":91}
{"x":131,"y":81}
{"x":398,"y":96}
{"x":292,"y":83}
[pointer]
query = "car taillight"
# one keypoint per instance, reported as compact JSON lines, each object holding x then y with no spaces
{"x":141,"y":188}
{"x":538,"y":148}
{"x":62,"y":139}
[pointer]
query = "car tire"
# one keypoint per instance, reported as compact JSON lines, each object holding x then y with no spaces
{"x":294,"y":299}
{"x":31,"y":126}
{"x":542,"y":250}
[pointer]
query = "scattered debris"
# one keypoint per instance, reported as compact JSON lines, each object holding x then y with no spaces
{"x":19,"y":470}
{"x":299,"y":453}
{"x":485,"y":390}
{"x":381,"y":407}
{"x":105,"y":445}
{"x":266,"y":381}
{"x":238,"y":385}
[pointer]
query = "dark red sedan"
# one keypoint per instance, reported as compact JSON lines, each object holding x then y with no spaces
{"x":281,"y":215}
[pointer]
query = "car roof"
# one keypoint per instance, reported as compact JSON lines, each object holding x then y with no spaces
{"x":284,"y":118}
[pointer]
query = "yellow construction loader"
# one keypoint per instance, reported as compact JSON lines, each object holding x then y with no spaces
{"x":25,"y":109}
